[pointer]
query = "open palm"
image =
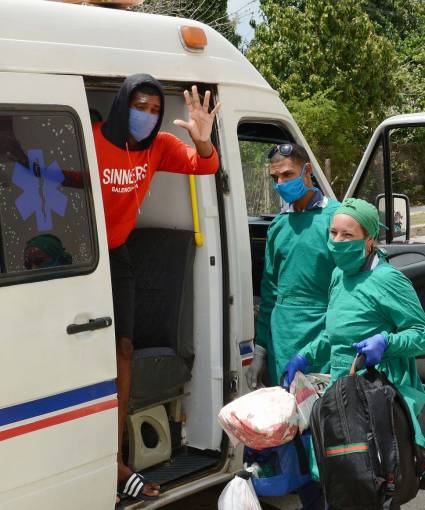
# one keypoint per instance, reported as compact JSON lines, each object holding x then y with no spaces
{"x":200,"y":121}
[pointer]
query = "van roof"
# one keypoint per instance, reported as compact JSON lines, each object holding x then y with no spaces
{"x":50,"y":37}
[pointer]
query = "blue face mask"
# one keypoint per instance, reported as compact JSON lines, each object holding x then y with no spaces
{"x":293,"y":190}
{"x":141,"y":124}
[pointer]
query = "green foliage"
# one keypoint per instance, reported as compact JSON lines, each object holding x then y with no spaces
{"x":326,"y":46}
{"x":395,"y":19}
{"x":332,"y":133}
{"x":330,"y":66}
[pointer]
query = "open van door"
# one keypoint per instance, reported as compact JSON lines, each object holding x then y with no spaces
{"x":391,"y":175}
{"x":58,"y":414}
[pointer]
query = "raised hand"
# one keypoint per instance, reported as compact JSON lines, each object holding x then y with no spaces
{"x":200,"y":120}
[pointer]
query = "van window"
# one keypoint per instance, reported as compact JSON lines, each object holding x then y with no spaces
{"x":372,"y":184}
{"x":45,"y":213}
{"x":255,"y":141}
{"x":407,"y":165}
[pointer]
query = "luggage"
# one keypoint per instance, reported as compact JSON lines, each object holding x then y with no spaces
{"x":282,"y":469}
{"x":261,"y":419}
{"x":364,"y":443}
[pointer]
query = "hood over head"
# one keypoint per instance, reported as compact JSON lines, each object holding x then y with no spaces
{"x":115,"y":128}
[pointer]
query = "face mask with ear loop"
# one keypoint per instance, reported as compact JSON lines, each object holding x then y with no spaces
{"x":349,"y":256}
{"x":141,"y":124}
{"x":294,"y":189}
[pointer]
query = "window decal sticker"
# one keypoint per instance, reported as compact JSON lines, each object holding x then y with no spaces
{"x":40,"y":190}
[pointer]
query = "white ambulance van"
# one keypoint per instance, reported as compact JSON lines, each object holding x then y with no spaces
{"x":60,"y":67}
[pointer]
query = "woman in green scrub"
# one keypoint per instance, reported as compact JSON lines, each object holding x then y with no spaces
{"x":373,"y":310}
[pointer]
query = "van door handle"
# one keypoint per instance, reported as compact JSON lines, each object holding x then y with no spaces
{"x":91,"y":325}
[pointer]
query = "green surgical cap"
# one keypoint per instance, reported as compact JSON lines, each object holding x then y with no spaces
{"x":363,"y":212}
{"x":53,"y":246}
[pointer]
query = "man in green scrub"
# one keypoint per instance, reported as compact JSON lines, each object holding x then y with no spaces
{"x":296,"y":277}
{"x":297,"y":267}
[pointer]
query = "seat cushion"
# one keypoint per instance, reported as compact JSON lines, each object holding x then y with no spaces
{"x":157,"y":374}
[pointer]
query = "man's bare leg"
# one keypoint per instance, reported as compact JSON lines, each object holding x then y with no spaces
{"x":124,"y":354}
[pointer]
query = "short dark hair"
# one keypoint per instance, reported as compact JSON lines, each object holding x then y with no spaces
{"x":298,"y":154}
{"x":150,"y":90}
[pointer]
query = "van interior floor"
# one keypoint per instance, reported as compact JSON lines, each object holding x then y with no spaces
{"x":181,"y":465}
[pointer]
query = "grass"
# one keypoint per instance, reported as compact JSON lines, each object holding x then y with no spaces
{"x":417,"y":218}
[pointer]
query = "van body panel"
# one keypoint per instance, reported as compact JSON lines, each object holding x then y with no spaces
{"x":61,"y":492}
{"x":58,"y":399}
{"x":92,"y":41}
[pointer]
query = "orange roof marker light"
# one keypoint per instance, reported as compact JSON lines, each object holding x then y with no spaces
{"x":193,"y":38}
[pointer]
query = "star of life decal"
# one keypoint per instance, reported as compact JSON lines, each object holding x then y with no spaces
{"x":40,"y":190}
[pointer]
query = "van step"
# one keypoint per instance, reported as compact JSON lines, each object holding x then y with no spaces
{"x":179,"y":466}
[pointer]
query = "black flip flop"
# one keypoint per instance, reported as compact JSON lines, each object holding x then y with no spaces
{"x":133,"y":488}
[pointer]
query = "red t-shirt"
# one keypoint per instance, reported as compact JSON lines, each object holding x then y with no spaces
{"x":125,"y":176}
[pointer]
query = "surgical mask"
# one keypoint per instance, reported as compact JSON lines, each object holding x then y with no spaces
{"x":294,"y":189}
{"x":348,"y":255}
{"x":141,"y":124}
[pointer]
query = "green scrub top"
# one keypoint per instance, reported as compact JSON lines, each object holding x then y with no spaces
{"x":295,"y":285}
{"x":379,"y":300}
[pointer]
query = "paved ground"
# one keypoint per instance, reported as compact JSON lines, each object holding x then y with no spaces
{"x":207,"y":500}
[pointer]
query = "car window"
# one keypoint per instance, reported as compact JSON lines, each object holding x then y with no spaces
{"x":407,"y":165}
{"x":255,"y":141}
{"x":46,"y":221}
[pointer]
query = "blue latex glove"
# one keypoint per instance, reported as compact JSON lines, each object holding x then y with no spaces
{"x":372,"y":348}
{"x":297,"y":362}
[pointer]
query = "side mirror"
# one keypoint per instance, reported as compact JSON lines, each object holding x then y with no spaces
{"x":401,"y":217}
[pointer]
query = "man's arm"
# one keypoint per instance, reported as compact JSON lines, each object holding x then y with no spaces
{"x":178,"y":157}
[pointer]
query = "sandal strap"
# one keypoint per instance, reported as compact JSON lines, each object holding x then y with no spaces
{"x":134,"y":485}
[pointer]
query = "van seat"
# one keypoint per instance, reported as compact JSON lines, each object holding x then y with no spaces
{"x":163,"y":334}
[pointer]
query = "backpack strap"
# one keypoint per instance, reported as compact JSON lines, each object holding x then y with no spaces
{"x":379,"y":404}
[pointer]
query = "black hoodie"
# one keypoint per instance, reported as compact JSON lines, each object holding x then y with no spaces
{"x":115,"y":128}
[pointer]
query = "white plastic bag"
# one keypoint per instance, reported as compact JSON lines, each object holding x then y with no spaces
{"x":239,"y":494}
{"x":320,"y":382}
{"x":261,"y":419}
{"x":306,"y":390}
{"x":305,"y":397}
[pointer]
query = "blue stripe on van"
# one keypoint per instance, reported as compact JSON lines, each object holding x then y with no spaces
{"x":57,"y":402}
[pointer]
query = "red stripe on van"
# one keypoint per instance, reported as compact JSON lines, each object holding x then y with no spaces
{"x":60,"y":418}
{"x":246,"y":362}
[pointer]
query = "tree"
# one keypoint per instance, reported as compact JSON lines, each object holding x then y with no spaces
{"x":395,"y":19}
{"x":329,"y":64}
{"x":212,"y":13}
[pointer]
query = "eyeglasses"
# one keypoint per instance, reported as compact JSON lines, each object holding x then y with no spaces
{"x":284,"y":149}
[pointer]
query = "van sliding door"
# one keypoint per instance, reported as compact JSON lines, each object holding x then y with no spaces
{"x":57,"y":392}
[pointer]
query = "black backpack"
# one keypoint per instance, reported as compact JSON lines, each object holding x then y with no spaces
{"x":363,"y":439}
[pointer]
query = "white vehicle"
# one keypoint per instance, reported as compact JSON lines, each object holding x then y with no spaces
{"x":60,"y":65}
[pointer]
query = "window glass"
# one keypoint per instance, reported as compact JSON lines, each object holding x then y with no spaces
{"x":372,"y":184}
{"x":45,"y":217}
{"x":261,"y":197}
{"x":407,"y":163}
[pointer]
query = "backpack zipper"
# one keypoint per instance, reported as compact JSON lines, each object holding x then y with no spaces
{"x":342,"y":415}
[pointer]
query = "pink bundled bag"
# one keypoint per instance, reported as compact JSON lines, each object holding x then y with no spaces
{"x":261,"y":419}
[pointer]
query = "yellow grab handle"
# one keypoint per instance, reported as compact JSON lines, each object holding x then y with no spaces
{"x":199,"y":239}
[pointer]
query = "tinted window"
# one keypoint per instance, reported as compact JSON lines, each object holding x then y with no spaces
{"x":45,"y":195}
